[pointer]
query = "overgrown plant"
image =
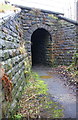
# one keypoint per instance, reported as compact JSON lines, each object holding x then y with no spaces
{"x":6,"y":84}
{"x":36,"y":103}
{"x":74,"y":66}
{"x":17,"y":117}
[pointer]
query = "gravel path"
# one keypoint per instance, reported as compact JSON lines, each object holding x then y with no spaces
{"x":60,"y":93}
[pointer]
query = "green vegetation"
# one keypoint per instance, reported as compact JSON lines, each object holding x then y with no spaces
{"x":7,"y":7}
{"x":17,"y":117}
{"x":53,"y":16}
{"x":36,"y":102}
{"x":73,"y":68}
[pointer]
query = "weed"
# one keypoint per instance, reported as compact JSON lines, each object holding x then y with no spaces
{"x":36,"y":101}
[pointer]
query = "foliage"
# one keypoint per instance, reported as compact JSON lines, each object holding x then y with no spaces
{"x":74,"y":66}
{"x":36,"y":102}
{"x":53,"y":16}
{"x":75,"y":57}
{"x":22,"y":48}
{"x":5,"y":7}
{"x":7,"y":85}
{"x":17,"y":117}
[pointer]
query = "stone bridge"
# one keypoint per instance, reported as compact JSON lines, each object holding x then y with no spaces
{"x":33,"y":37}
{"x":50,"y":39}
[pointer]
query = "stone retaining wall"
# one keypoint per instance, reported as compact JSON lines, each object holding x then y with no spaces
{"x":12,"y":59}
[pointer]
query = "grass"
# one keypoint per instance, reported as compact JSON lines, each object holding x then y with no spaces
{"x":36,"y":102}
{"x":7,"y":7}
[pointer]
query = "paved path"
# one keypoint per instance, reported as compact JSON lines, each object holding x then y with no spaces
{"x":60,"y":93}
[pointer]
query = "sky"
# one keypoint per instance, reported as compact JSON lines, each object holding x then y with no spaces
{"x":68,"y":7}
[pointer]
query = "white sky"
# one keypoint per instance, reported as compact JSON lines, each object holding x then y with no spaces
{"x":68,"y":7}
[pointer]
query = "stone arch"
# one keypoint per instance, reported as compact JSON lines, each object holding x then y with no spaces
{"x":41,"y":40}
{"x":36,"y":26}
{"x":29,"y":33}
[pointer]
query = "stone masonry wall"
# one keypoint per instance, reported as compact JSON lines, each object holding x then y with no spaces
{"x":63,"y":34}
{"x":66,"y":42}
{"x":34,"y":19}
{"x":15,"y":47}
{"x":12,"y":59}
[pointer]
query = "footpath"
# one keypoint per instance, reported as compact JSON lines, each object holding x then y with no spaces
{"x":58,"y":90}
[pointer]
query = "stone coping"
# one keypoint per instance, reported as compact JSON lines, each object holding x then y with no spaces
{"x":42,"y":10}
{"x":68,"y":20}
{"x":59,"y":15}
{"x":9,"y":14}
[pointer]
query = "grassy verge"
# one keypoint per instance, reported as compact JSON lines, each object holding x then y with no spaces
{"x":36,"y":102}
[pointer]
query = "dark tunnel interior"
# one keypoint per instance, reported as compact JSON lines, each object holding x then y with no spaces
{"x":39,"y":42}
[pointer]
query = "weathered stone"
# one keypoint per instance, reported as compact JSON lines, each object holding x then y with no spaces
{"x":18,"y":29}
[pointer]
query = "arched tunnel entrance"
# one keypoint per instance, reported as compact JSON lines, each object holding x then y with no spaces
{"x":39,"y":44}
